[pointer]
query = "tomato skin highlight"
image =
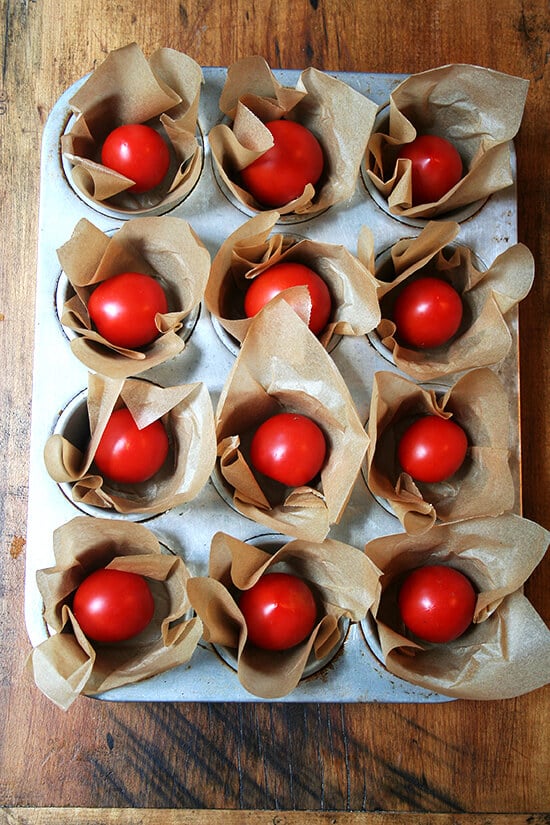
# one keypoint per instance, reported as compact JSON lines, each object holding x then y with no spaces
{"x":436,"y":167}
{"x":123,"y":309}
{"x":437,"y":603}
{"x":432,"y":449}
{"x":277,"y":278}
{"x":113,"y":605}
{"x":279,"y":610}
{"x":427,"y":313}
{"x":282,"y":172}
{"x":289,"y":448}
{"x":137,"y":152}
{"x":128,"y":455}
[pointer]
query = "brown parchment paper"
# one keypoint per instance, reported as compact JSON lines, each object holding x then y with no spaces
{"x":68,"y":664}
{"x":506,"y":652}
{"x":488,"y":296}
{"x":282,"y":366}
{"x":163,"y":92}
{"x":344,"y":580}
{"x":478,"y":110}
{"x":167,"y":249}
{"x":483,"y":486}
{"x":185,"y":410}
{"x":340,"y":117}
{"x":251,"y":249}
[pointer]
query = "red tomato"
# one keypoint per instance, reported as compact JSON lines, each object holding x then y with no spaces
{"x":113,"y":605}
{"x":279,"y":611}
{"x":281,"y":276}
{"x":427,"y":313}
{"x":288,"y":447}
{"x":432,"y":449}
{"x":137,"y":152}
{"x":436,"y":167}
{"x":437,"y":603}
{"x":123,"y":309}
{"x":281,"y":174}
{"x":128,"y":455}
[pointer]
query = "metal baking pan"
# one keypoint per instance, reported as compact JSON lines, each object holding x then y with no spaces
{"x":355,"y":674}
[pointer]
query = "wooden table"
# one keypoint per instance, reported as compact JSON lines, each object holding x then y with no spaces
{"x":343,"y":763}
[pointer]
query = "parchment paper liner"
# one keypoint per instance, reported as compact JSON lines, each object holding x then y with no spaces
{"x":68,"y":663}
{"x":166,"y":248}
{"x":340,"y":117}
{"x":482,"y":487}
{"x":478,"y":110}
{"x":507,"y":651}
{"x":251,"y":249}
{"x":282,"y":365}
{"x":344,"y":579}
{"x":186,"y":411}
{"x":484,"y":338}
{"x":162,"y":92}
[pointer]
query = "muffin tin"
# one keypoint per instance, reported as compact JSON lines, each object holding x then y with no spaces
{"x":355,"y":673}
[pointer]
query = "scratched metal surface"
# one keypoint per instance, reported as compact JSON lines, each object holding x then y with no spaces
{"x":356,"y":673}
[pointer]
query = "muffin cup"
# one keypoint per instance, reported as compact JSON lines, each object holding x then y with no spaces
{"x":483,"y":486}
{"x":376,"y":189}
{"x":340,"y":117}
{"x":344,"y":581}
{"x":506,"y":651}
{"x":186,"y":411}
{"x":162,"y":92}
{"x":67,"y":663}
{"x":488,"y":296}
{"x":252,"y":248}
{"x":283,"y":367}
{"x":165,"y":248}
{"x":478,"y":110}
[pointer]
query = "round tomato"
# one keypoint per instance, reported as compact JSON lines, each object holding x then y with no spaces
{"x":279,"y":611}
{"x":123,"y":309}
{"x":282,"y":172}
{"x":436,"y":167}
{"x":128,"y":455}
{"x":427,"y":313}
{"x":113,"y":605}
{"x":432,"y":449}
{"x":279,"y":277}
{"x":137,"y":152}
{"x":288,"y":447}
{"x":437,"y":603}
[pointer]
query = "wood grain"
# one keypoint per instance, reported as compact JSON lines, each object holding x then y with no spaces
{"x":153,"y":816}
{"x":450,"y":759}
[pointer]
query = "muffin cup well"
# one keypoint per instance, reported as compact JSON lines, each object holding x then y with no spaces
{"x":506,"y":651}
{"x":186,"y":411}
{"x":340,"y":117}
{"x":344,"y":581}
{"x":478,"y":110}
{"x":488,"y":296}
{"x":165,"y":248}
{"x":162,"y":92}
{"x":67,"y":663}
{"x":483,"y":486}
{"x":283,"y":367}
{"x":254,"y":247}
